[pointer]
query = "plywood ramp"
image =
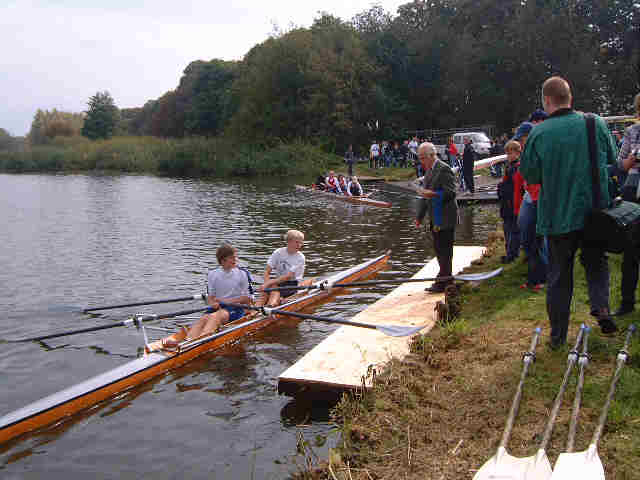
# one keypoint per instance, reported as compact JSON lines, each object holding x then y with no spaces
{"x":344,"y":358}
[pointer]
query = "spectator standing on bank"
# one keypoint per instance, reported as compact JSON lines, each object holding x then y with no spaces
{"x":629,"y":162}
{"x":556,"y":156}
{"x":439,"y":199}
{"x":349,"y":158}
{"x":510,"y":196}
{"x":452,"y":152}
{"x":468,"y":159}
{"x":538,"y":116}
{"x":374,"y":153}
{"x":413,"y":148}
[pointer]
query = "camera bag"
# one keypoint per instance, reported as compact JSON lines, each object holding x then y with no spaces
{"x":615,"y":227}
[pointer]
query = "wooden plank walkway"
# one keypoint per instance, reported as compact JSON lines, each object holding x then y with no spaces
{"x":345,"y":359}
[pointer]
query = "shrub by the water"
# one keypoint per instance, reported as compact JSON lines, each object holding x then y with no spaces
{"x":218,"y":157}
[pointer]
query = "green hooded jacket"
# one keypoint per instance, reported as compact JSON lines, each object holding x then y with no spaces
{"x":556,"y":156}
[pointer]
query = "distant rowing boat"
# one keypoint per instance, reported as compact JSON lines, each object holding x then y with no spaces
{"x":157,"y":361}
{"x":362,"y":200}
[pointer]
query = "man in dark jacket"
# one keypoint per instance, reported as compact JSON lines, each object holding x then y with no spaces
{"x":557,"y":157}
{"x":468,"y":159}
{"x":439,"y":199}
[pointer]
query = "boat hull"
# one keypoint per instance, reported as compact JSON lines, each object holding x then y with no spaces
{"x":86,"y":394}
{"x":345,"y":198}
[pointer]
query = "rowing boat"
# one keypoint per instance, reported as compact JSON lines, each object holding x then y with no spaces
{"x":156,"y":361}
{"x":361,"y":200}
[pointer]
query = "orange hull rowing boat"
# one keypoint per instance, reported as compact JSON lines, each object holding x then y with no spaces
{"x":363,"y":200}
{"x":157,"y":361}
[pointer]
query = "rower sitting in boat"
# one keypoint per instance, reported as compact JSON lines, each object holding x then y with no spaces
{"x":332,"y":183}
{"x":343,"y":184}
{"x":320,"y":185}
{"x":287,"y":264}
{"x":227,"y":284}
{"x":354,"y":189}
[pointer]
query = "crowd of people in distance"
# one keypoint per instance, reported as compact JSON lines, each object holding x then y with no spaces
{"x":340,"y":185}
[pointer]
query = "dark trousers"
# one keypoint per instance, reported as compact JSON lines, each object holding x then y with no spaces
{"x":443,"y":245}
{"x":562,"y":251}
{"x":511,"y":237}
{"x":630,"y":267}
{"x":467,"y":173}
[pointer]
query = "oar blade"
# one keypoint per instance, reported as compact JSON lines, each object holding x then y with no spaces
{"x":583,"y":465}
{"x":399,"y":330}
{"x":503,"y":466}
{"x":476,"y":277}
{"x":539,"y":467}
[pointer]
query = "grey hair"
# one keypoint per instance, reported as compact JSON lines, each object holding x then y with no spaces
{"x":428,"y":147}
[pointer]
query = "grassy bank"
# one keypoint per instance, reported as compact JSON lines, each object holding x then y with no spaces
{"x":440,"y":413}
{"x":216,"y":157}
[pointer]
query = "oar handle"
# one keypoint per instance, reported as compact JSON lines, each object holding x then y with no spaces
{"x":583,"y":361}
{"x":620,"y":361}
{"x":571,"y":360}
{"x":527,"y":358}
{"x":198,"y":296}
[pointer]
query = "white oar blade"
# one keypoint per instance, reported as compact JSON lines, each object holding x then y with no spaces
{"x":503,"y":466}
{"x":476,"y":277}
{"x":539,"y":467}
{"x":583,"y":465}
{"x":398,"y":330}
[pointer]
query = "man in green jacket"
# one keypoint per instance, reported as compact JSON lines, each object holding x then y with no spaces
{"x":557,"y":156}
{"x":439,"y":199}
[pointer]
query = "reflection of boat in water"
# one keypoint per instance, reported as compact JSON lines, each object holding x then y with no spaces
{"x":157,"y":361}
{"x":362,"y":200}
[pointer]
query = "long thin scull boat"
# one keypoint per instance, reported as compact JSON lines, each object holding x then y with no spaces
{"x":157,"y":361}
{"x":362,"y":200}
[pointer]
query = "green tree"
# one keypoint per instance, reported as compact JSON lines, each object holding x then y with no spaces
{"x":102,"y":117}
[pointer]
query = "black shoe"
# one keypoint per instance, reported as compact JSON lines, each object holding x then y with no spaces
{"x":607,"y":325}
{"x":554,"y":347}
{"x":435,"y":288}
{"x":623,"y":310}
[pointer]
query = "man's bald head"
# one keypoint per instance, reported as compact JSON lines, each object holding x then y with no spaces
{"x":427,"y":154}
{"x":556,"y":94}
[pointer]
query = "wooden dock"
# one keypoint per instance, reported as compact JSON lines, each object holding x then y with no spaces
{"x":346,"y":359}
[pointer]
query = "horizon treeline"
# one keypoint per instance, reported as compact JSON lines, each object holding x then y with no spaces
{"x":433,"y":64}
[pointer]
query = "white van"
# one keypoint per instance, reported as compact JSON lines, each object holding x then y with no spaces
{"x":481,"y":142}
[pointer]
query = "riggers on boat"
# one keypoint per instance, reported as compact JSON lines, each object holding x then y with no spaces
{"x":363,"y":200}
{"x":157,"y":361}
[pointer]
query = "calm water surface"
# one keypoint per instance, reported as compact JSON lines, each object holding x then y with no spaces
{"x":69,"y":241}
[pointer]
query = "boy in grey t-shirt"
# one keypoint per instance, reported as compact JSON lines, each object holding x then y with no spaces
{"x":287,"y":264}
{"x":227,"y":284}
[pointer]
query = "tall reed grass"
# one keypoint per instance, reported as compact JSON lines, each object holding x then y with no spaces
{"x":215,"y":157}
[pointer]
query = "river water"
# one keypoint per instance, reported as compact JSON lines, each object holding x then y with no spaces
{"x":69,"y":241}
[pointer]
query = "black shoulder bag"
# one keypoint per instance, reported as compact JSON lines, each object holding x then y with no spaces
{"x":613,"y":228}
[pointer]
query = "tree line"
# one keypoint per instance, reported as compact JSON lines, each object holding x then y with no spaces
{"x":432,"y":64}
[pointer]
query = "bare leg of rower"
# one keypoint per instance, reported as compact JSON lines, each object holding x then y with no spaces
{"x":207,"y":324}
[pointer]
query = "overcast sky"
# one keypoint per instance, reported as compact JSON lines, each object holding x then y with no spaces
{"x":57,"y":53}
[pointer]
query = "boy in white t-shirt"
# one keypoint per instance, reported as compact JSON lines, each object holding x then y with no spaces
{"x":287,"y":264}
{"x":227,"y":284}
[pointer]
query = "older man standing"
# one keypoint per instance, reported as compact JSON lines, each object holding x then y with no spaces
{"x":439,"y":199}
{"x":557,"y":157}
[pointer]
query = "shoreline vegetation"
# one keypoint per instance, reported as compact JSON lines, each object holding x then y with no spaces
{"x":440,"y":412}
{"x":214,"y":157}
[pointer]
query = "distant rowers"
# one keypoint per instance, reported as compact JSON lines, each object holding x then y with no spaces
{"x":287,"y":264}
{"x":320,"y":185}
{"x":354,"y":189}
{"x":333,"y":185}
{"x":227,"y":284}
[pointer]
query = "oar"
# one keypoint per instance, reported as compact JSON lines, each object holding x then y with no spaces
{"x":502,"y":464}
{"x":197,"y":296}
{"x":135,"y":320}
{"x":326,"y":285}
{"x":587,"y":465}
{"x":538,"y":467}
{"x":391,"y":330}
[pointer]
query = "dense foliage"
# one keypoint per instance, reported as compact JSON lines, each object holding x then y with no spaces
{"x":432,"y":64}
{"x":102,"y":117}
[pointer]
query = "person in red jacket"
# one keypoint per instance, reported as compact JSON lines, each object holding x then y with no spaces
{"x":452,"y":153}
{"x":510,"y":191}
